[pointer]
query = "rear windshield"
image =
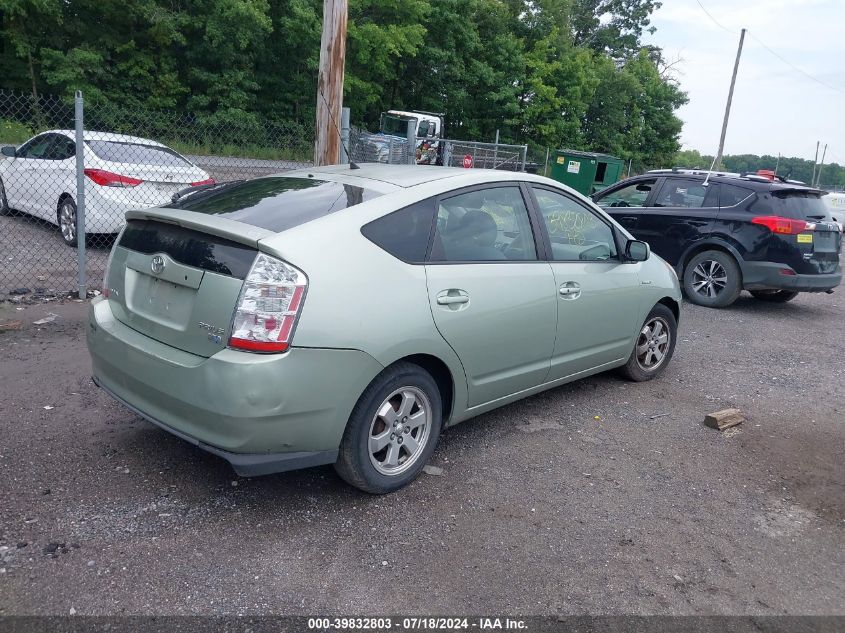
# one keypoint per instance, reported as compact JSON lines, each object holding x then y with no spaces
{"x":136,"y":154}
{"x":275,"y":203}
{"x":798,"y":205}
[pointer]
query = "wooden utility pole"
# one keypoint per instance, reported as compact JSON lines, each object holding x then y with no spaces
{"x":330,"y":83}
{"x":718,"y":161}
{"x":819,"y":174}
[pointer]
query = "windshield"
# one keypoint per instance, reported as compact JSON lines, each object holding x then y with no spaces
{"x":137,"y":154}
{"x":396,"y":126}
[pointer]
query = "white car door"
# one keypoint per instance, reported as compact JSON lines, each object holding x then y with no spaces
{"x":24,"y":179}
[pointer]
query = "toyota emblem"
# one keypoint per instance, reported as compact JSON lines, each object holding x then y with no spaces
{"x":157,"y":264}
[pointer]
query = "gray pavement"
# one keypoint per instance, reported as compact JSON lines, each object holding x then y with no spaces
{"x":599,"y":497}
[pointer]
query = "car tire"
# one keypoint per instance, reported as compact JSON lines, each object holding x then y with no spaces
{"x":66,"y":218}
{"x":4,"y":202}
{"x":374,"y":453}
{"x":774,"y":296}
{"x":654,"y":346}
{"x":712,"y":279}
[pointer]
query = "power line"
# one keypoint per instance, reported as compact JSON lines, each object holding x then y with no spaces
{"x":794,"y":67}
{"x":715,"y":21}
{"x":769,"y":49}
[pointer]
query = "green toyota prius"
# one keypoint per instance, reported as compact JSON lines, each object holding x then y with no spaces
{"x":342,"y":315}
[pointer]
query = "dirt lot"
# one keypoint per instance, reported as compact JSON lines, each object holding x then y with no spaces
{"x":598,"y":497}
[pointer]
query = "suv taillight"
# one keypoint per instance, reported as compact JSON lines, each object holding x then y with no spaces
{"x":110,"y":179}
{"x":784,"y":226}
{"x":270,"y":301}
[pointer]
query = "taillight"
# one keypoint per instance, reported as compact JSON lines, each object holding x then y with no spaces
{"x":207,"y":181}
{"x":110,"y":179}
{"x":785,"y":226}
{"x":105,"y":285}
{"x":269,"y":303}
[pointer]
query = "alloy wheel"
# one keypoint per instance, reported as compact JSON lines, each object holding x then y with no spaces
{"x":709,"y":278}
{"x":653,"y":343}
{"x":67,"y":221}
{"x":399,"y":431}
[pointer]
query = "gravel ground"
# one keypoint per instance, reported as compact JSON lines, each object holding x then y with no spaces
{"x":600,"y":497}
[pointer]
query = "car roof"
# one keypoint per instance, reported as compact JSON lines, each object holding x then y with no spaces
{"x":403,"y":176}
{"x":89,"y":135}
{"x":755,"y":181}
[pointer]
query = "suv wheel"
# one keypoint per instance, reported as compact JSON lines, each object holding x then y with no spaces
{"x":654,"y":347}
{"x":392,"y":431}
{"x":774,"y":296}
{"x":712,"y":279}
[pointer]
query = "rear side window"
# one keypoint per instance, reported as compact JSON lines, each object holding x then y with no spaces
{"x":797,"y":205}
{"x":485,"y":225}
{"x":731,"y":195}
{"x":137,"y":154}
{"x":275,"y":203}
{"x":404,"y":233}
{"x":690,"y":194}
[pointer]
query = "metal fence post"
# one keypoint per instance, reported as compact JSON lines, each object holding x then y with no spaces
{"x":411,"y":155}
{"x":80,"y":196}
{"x":344,"y":136}
{"x":496,"y":150}
{"x":524,"y":156}
{"x":390,"y":151}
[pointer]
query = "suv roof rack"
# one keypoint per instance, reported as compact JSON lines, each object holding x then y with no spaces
{"x":728,"y":174}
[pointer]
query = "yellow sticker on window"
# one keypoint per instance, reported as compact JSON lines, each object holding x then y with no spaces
{"x":805,"y":238}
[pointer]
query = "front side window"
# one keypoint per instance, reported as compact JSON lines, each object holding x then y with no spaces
{"x":634,"y":195}
{"x":484,"y":225}
{"x":687,"y":193}
{"x":37,"y":147}
{"x":575,"y":232}
{"x":62,"y":149}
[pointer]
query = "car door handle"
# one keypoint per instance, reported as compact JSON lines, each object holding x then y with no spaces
{"x":449,"y":300}
{"x":629,"y":218}
{"x":570,"y":290}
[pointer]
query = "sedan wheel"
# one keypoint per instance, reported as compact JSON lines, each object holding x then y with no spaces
{"x":654,"y":347}
{"x":653,"y":343}
{"x":4,"y":202}
{"x":392,"y":431}
{"x":399,"y":431}
{"x":67,"y":221}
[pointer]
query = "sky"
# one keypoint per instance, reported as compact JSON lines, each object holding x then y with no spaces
{"x":776,"y":109}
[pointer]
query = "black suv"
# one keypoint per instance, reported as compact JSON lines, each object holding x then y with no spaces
{"x":727,"y":232}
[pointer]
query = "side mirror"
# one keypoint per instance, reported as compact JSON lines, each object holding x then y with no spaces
{"x":9,"y":150}
{"x":637,"y":251}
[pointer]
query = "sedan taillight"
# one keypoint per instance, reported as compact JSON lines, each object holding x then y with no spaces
{"x":110,"y":179}
{"x":270,"y":301}
{"x":200,"y":183}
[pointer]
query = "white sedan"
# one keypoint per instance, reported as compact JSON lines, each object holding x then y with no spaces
{"x":121,"y":173}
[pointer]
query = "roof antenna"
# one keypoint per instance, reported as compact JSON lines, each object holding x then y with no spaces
{"x":709,"y":172}
{"x":339,"y":135}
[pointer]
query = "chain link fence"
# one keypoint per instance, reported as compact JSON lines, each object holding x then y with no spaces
{"x":366,"y":147}
{"x":131,"y":159}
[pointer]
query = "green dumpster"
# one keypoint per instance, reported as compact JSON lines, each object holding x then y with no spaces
{"x":586,"y":172}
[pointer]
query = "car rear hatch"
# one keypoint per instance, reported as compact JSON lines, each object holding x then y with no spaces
{"x":819,"y":242}
{"x":176,"y":272}
{"x":178,"y":281}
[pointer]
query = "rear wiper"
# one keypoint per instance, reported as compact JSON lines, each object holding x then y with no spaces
{"x":189,"y":191}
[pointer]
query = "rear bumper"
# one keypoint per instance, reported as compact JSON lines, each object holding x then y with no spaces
{"x":768,"y":276}
{"x":262,"y":413}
